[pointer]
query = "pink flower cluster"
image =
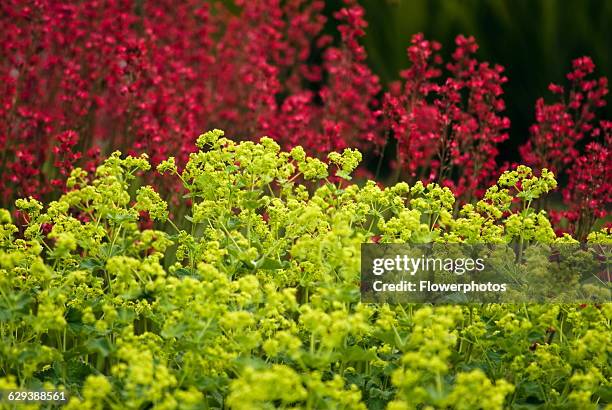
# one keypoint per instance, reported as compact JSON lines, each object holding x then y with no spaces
{"x":561,"y":129}
{"x":78,"y":79}
{"x":560,"y":126}
{"x":590,"y":183}
{"x":151,"y":76}
{"x":448,"y":127}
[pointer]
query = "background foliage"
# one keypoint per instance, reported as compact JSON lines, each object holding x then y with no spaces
{"x":534,"y":40}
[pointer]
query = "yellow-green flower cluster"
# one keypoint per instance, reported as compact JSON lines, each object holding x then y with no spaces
{"x":250,"y":299}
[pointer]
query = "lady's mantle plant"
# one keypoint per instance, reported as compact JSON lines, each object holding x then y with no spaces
{"x":252,"y":300}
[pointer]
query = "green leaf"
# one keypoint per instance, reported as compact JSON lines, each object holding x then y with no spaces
{"x":176,"y":330}
{"x":100,"y":345}
{"x":91,"y":264}
{"x":271,"y":264}
{"x":13,"y":305}
{"x":357,"y":354}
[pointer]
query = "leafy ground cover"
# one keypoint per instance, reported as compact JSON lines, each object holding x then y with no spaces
{"x":251,"y":298}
